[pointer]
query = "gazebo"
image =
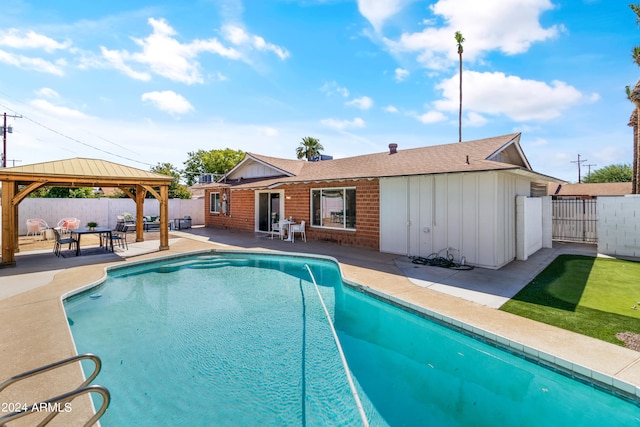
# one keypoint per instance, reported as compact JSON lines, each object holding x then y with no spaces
{"x":19,"y":181}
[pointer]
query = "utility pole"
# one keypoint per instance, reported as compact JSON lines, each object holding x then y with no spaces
{"x":579,"y":162}
{"x":589,"y":170}
{"x":4,"y":137}
{"x":13,"y":161}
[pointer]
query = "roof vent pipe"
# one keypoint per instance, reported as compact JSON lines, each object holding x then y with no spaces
{"x":393,"y":148}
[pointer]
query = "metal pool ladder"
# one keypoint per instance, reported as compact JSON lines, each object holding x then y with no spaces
{"x":347,"y":371}
{"x":56,"y":404}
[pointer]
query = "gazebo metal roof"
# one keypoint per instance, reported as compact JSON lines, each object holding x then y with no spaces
{"x":19,"y":181}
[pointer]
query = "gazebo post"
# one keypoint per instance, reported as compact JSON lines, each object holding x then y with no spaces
{"x":164,"y":217}
{"x":141,"y":192}
{"x":16,"y":222}
{"x":9,"y":224}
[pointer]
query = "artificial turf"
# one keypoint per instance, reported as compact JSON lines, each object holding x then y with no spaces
{"x":588,"y":295}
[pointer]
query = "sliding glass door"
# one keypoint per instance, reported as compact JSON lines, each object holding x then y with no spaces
{"x":269,"y":208}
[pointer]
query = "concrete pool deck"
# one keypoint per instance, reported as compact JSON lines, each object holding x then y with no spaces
{"x":35,"y":330}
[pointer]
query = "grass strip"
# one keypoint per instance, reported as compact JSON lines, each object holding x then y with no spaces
{"x":588,"y":295}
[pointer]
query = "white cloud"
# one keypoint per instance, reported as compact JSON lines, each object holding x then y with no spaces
{"x":511,"y":96}
{"x":57,"y":110}
{"x":240,"y":37}
{"x":168,"y":101}
{"x":401,"y":74}
{"x":165,"y":56}
{"x":47,"y":92}
{"x":390,"y":109}
{"x":117,"y":60}
{"x":332,"y":88}
{"x":343,"y":124}
{"x":268,"y":131}
{"x":474,"y":119}
{"x":363,"y":103}
{"x":31,"y":40}
{"x":430,"y":117}
{"x":378,"y":11}
{"x":36,"y":64}
{"x":510,"y":27}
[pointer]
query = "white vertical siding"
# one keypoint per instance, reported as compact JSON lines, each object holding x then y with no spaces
{"x":420,"y":221}
{"x":393,"y":215}
{"x":440,"y":213}
{"x":454,"y":213}
{"x":470,"y":244}
{"x":473,"y":213}
{"x":486,"y":220}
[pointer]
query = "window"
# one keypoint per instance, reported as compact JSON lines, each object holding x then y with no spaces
{"x":215,"y":202}
{"x":334,"y":208}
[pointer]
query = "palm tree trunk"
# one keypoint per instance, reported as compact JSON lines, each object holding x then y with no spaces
{"x":636,"y":154}
{"x":460,"y":111}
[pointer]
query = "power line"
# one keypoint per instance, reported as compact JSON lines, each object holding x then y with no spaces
{"x":4,"y":137}
{"x":77,"y":140}
{"x":579,"y":162}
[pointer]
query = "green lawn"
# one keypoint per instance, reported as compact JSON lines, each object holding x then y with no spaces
{"x":587,"y":295}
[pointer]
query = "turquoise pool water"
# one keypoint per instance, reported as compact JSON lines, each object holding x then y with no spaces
{"x":242,"y":339}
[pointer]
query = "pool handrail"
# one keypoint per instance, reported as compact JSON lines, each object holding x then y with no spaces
{"x":63,"y":398}
{"x":345,"y":365}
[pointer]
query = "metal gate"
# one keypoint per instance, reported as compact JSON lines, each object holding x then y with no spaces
{"x":575,"y":220}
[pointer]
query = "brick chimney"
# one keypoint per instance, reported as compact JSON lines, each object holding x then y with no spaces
{"x":393,"y":148}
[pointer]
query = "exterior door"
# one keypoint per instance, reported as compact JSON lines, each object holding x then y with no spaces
{"x":269,"y":209}
{"x":406,"y":206}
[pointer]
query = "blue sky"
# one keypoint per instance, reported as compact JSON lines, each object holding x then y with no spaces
{"x":144,"y":82}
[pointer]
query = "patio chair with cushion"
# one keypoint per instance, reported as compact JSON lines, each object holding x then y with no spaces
{"x":68,"y":224}
{"x":36,"y":226}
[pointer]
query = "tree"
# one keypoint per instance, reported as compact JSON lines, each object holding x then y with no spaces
{"x":64,"y":193}
{"x":459,"y":41}
{"x":612,"y":173}
{"x":634,"y":96}
{"x":176,"y":190}
{"x":217,"y":162}
{"x":308,"y":148}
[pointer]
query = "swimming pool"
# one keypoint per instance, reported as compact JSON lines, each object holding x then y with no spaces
{"x":242,"y":339}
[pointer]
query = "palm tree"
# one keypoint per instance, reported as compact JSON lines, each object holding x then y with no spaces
{"x":634,"y":96}
{"x":460,"y":40}
{"x":308,"y":148}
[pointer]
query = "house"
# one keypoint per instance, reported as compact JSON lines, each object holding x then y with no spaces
{"x":589,"y":191}
{"x":460,"y":196}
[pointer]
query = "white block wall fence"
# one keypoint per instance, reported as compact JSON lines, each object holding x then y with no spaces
{"x":103,"y":211}
{"x":619,"y":225}
{"x":533,"y":225}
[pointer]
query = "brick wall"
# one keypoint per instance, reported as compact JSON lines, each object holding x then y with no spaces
{"x":298,"y":204}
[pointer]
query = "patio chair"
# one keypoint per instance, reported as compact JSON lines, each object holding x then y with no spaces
{"x":277,"y":228}
{"x":36,"y":226}
{"x":119,"y":235}
{"x":62,"y":241}
{"x":297,"y":228}
{"x":68,"y":224}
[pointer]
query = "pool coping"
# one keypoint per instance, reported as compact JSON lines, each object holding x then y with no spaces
{"x":614,"y":367}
